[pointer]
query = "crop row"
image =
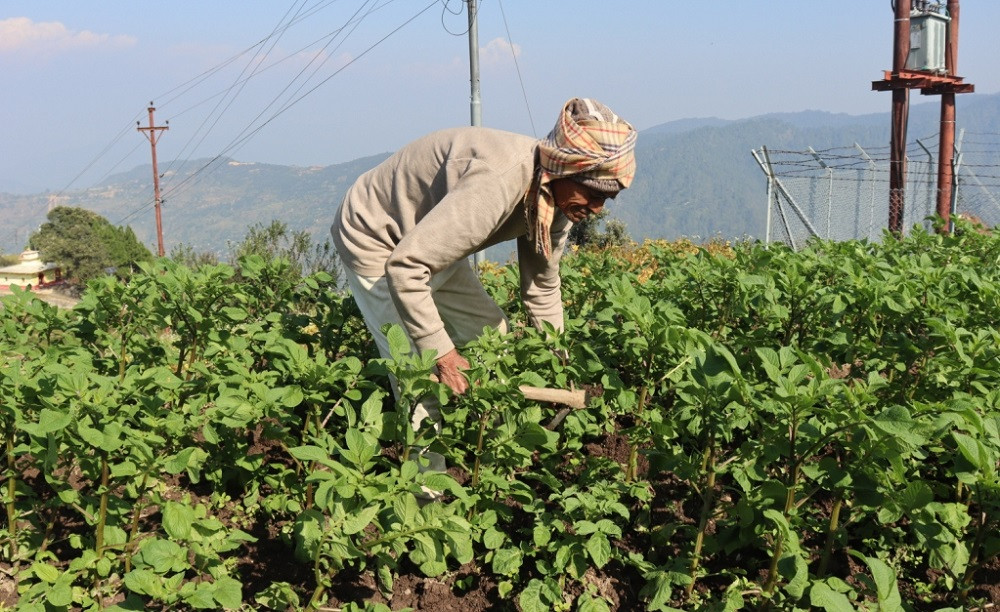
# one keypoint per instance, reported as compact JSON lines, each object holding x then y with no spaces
{"x":768,"y":428}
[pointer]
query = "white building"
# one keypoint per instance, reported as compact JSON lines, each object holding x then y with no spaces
{"x":30,"y":272}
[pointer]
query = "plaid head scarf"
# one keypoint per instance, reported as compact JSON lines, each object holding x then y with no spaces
{"x":589,"y":143}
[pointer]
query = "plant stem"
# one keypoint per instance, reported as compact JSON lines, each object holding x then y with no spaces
{"x":479,"y":448}
{"x":633,"y":451}
{"x":831,"y":532}
{"x":965,"y":585}
{"x":11,"y":492}
{"x":103,"y":512}
{"x":707,"y":500}
{"x":779,"y":542}
{"x":134,"y":528}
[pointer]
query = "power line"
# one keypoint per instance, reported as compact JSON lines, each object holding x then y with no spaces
{"x":274,"y":37}
{"x":248,"y":133}
{"x":517,"y":68}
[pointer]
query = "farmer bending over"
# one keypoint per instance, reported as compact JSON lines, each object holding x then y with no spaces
{"x":406,"y":228}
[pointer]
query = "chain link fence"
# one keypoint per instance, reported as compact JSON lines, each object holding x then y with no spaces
{"x":842,"y":193}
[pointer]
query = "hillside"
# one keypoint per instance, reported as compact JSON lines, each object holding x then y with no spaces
{"x":696,"y":178}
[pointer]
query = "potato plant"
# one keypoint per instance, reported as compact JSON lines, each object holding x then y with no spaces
{"x":766,"y":428}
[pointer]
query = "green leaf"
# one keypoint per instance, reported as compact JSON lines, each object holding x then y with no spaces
{"x":202,"y":598}
{"x":278,"y":596}
{"x":896,"y":421}
{"x":177,"y":520}
{"x":494,"y":538}
{"x":289,"y":397}
{"x":360,"y":448}
{"x":535,"y":597}
{"x":405,"y":506}
{"x":796,"y":571}
{"x":45,"y":572}
{"x":51,"y":421}
{"x":885,"y":583}
{"x":507,"y":561}
{"x":233,"y":313}
{"x":599,"y":549}
{"x":228,"y":592}
{"x":586,"y":603}
{"x":970,"y":448}
{"x":162,"y":556}
{"x":822,"y":596}
{"x":144,"y":582}
{"x":309,"y":453}
{"x":308,"y":534}
{"x":358,"y":520}
{"x":60,"y":594}
{"x":541,"y":535}
{"x":399,"y":342}
{"x":93,"y":437}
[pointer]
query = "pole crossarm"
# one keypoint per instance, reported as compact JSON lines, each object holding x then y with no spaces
{"x":928,"y":83}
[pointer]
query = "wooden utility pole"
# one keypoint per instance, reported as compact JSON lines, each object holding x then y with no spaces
{"x":900,"y":80}
{"x":153,"y":134}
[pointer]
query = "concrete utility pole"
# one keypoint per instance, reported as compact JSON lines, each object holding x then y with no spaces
{"x":475,"y":105}
{"x":153,"y":134}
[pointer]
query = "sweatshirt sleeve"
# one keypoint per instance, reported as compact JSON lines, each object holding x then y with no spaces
{"x":457,"y":226}
{"x":541,"y":289}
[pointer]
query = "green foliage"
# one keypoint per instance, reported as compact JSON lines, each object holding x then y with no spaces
{"x":274,"y":241}
{"x":187,"y":256}
{"x":587,"y":233}
{"x":766,"y":429}
{"x":86,"y":244}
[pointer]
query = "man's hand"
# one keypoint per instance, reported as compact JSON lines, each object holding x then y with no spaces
{"x":449,"y":371}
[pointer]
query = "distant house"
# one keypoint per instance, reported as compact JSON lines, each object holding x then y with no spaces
{"x":30,"y":272}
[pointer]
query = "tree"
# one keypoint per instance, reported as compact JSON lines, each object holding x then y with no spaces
{"x":276,"y":240}
{"x":587,"y":233}
{"x":185,"y":255}
{"x":86,"y":245}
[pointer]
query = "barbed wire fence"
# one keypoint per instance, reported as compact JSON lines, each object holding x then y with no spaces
{"x":842,"y":193}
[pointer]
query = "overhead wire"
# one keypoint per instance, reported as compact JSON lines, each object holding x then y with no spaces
{"x":238,"y":85}
{"x":517,"y":68}
{"x":243,"y":136}
{"x":184,"y":87}
{"x":248,"y":134}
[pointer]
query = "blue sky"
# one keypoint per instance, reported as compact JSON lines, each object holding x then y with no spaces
{"x":77,"y":75}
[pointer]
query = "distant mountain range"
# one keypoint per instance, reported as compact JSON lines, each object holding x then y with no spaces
{"x":696,"y":178}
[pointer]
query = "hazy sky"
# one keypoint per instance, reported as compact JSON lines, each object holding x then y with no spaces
{"x":317,"y":82}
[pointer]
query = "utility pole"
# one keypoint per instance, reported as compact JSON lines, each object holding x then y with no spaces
{"x":900,"y":119}
{"x":946,"y":153}
{"x":921,"y":70}
{"x":475,"y":105}
{"x":153,"y":134}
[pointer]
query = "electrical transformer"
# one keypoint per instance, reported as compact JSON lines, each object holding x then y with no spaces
{"x":928,"y":37}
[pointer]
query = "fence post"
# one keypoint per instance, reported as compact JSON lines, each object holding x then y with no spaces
{"x":871,"y":207}
{"x":770,"y":194}
{"x":829,"y":191}
{"x":930,"y":178}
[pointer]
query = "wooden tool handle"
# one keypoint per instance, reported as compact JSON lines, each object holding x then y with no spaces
{"x":566,"y":397}
{"x":573,"y":399}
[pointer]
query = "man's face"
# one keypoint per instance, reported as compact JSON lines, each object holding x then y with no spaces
{"x":576,"y":201}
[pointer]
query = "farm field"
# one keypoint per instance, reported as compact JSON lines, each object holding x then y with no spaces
{"x":765,"y":429}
